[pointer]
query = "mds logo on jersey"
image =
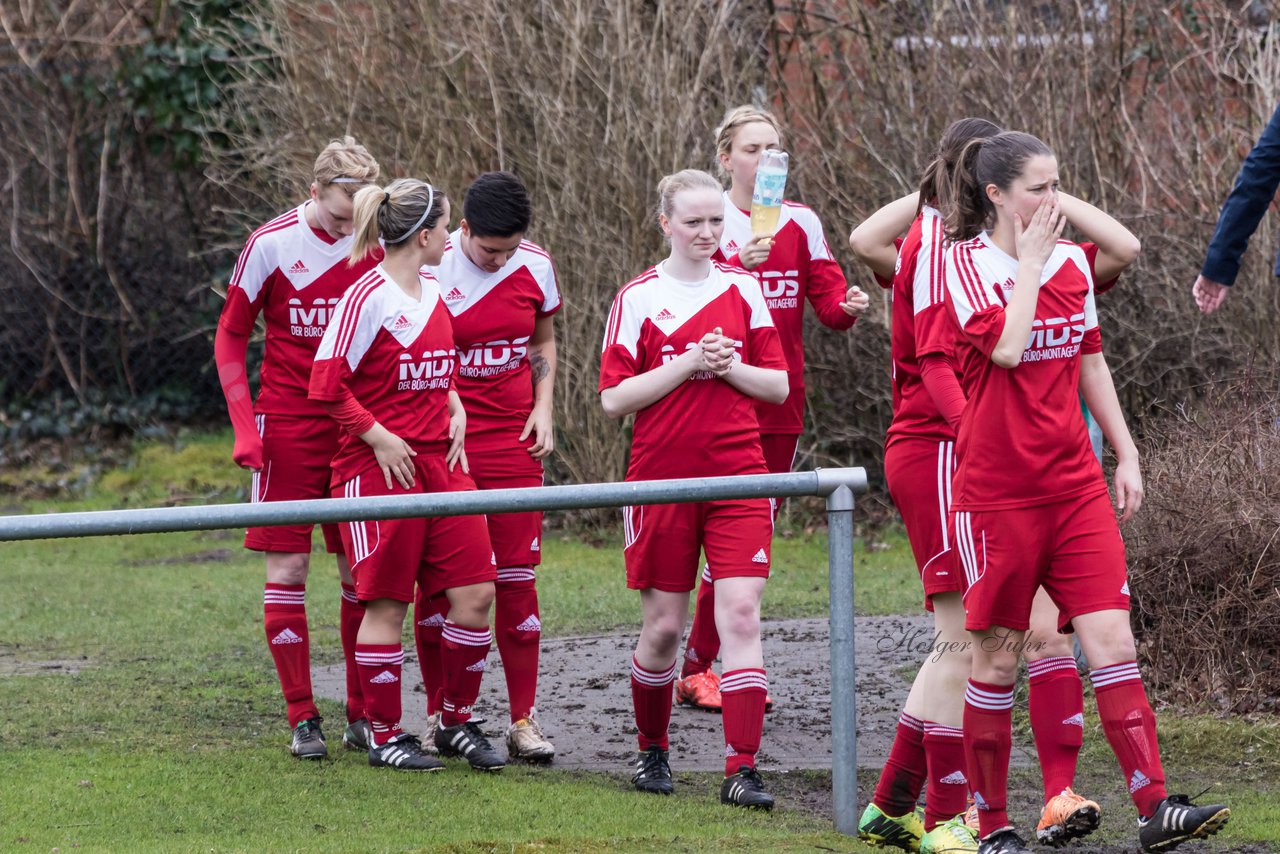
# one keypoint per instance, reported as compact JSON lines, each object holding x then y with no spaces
{"x":493,"y":358}
{"x":668,"y":353}
{"x":1055,"y":338}
{"x":781,"y":290}
{"x":430,"y":371}
{"x":310,"y":322}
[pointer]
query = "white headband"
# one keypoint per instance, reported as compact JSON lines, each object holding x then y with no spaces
{"x":348,"y":181}
{"x":431,"y":200}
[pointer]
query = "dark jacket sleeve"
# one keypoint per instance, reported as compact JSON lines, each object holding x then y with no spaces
{"x":1243,"y":209}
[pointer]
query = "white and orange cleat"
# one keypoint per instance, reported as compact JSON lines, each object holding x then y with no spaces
{"x":1067,"y":816}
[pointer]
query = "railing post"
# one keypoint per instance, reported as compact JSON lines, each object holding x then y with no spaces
{"x":844,"y":724}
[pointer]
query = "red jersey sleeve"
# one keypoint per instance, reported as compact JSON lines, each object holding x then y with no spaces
{"x":979,"y":317}
{"x":620,"y":357}
{"x":763,"y":346}
{"x":249,"y":286}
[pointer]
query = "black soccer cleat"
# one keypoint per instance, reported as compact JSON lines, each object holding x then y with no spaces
{"x":308,"y":740}
{"x":1177,"y":820}
{"x":653,"y":772}
{"x":405,"y":753}
{"x":358,"y":735}
{"x":745,"y":789}
{"x":466,"y":740}
{"x":1003,"y":842}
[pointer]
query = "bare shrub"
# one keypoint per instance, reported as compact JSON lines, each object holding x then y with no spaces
{"x":1204,"y":552}
{"x":589,"y":103}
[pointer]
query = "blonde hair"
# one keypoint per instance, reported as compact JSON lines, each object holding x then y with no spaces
{"x":687,"y":179}
{"x":735,"y":119}
{"x":346,"y":162}
{"x":395,"y":213}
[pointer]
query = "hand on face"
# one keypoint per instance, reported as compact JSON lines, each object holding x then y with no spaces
{"x":1036,"y":240}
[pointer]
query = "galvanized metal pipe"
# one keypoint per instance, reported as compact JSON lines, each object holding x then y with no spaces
{"x":837,"y":485}
{"x":844,"y":691}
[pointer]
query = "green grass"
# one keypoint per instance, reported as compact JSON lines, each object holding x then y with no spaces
{"x":162,"y":731}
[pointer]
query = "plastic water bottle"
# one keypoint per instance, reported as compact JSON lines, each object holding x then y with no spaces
{"x":766,"y":201}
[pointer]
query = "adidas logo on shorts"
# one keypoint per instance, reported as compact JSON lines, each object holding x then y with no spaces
{"x":478,"y":667}
{"x":1075,"y":720}
{"x":286,"y":636}
{"x":1138,"y":780}
{"x":531,"y":624}
{"x":493,"y":559}
{"x":760,"y":557}
{"x":534,"y":546}
{"x":386,"y":677}
{"x":1124,"y":588}
{"x":955,"y":778}
{"x":298,"y":268}
{"x":433,"y":620}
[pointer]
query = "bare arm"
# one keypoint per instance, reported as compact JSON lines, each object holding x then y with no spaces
{"x":542,"y":365}
{"x":1100,"y":396}
{"x":635,"y":393}
{"x":767,"y":384}
{"x":1117,"y":245}
{"x":872,"y":240}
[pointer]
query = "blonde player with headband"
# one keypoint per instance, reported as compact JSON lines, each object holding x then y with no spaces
{"x":384,"y":372}
{"x":292,"y":271}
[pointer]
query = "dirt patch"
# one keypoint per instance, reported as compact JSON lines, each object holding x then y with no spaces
{"x":14,"y":663}
{"x":585,"y":697}
{"x":210,"y":556}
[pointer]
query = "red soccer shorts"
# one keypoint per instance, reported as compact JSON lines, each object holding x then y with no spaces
{"x":516,"y":537}
{"x":663,"y":542}
{"x":1072,"y":547}
{"x":919,"y":474}
{"x":296,"y":453}
{"x":389,"y":557}
{"x":779,"y":451}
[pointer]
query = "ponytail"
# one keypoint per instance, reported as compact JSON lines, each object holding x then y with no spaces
{"x":393,"y":213}
{"x":966,"y":207}
{"x":935,"y":182}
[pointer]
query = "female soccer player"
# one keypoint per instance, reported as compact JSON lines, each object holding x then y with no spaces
{"x":502,"y":294}
{"x":792,"y":265}
{"x":293,"y":271}
{"x":919,"y":461}
{"x":384,"y":372}
{"x":1029,"y":501}
{"x":689,"y":348}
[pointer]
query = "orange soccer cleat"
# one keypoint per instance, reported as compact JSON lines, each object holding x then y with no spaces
{"x":699,"y":690}
{"x":1067,"y":816}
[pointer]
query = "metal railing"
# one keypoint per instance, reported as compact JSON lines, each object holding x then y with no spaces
{"x":837,"y":486}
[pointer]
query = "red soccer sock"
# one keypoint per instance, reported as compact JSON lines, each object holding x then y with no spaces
{"x":380,"y":670}
{"x":1056,"y":705}
{"x":947,"y":791}
{"x":350,"y":615}
{"x":651,"y":698}
{"x":904,"y":770}
{"x":518,"y":630}
{"x":463,"y":655}
{"x":742,"y":694}
{"x":428,"y":624}
{"x":1130,"y":726}
{"x":284,"y":614}
{"x":988,"y":737}
{"x":704,"y":641}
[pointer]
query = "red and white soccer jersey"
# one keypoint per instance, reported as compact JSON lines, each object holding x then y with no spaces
{"x":799,"y":267}
{"x":493,"y":318}
{"x":705,"y":427}
{"x":1023,"y":441}
{"x":296,"y":277}
{"x":919,"y":314}
{"x":395,"y":355}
